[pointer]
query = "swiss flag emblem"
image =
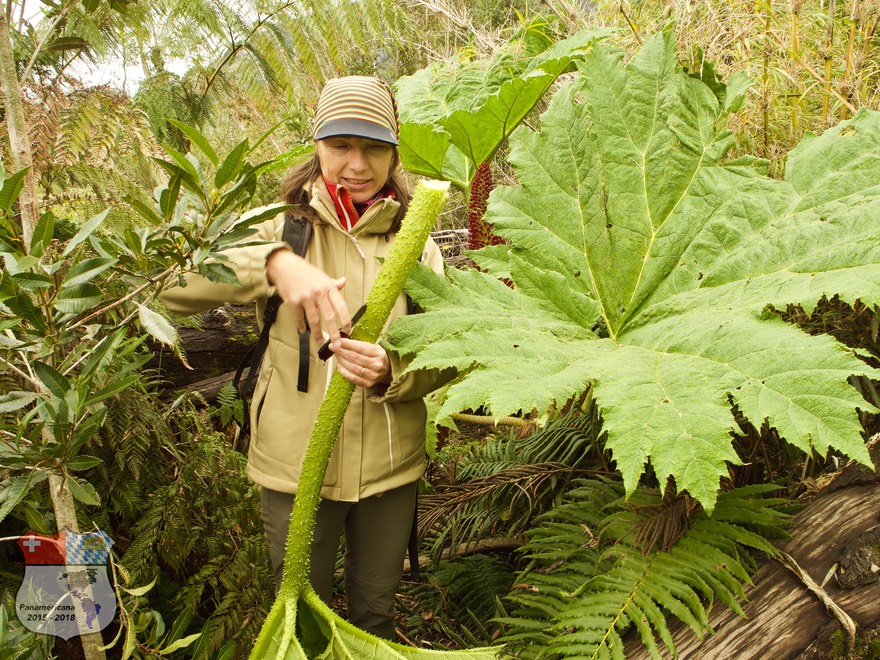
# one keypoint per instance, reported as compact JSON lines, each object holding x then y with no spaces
{"x":42,"y":549}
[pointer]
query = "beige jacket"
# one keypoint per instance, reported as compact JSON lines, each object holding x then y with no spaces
{"x":381,"y":444}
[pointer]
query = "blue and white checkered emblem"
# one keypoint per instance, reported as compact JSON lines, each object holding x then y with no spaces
{"x":91,"y":548}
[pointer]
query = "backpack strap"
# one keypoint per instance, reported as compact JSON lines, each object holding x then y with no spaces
{"x":251,"y":362}
{"x":298,"y":234}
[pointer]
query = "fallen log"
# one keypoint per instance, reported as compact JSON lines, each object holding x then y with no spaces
{"x":831,"y":541}
{"x":207,"y":388}
{"x":212,"y":350}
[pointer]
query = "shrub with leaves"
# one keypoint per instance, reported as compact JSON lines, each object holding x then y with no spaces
{"x":649,"y":269}
{"x":186,"y":522}
{"x":74,"y":317}
{"x":16,"y":641}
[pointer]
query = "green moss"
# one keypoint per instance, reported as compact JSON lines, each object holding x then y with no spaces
{"x":837,"y":645}
{"x":866,"y":647}
{"x":246,"y":320}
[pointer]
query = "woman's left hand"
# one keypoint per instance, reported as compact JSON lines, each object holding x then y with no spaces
{"x":361,"y":362}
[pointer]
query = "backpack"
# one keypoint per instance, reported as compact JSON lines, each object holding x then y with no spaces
{"x":297,"y":233}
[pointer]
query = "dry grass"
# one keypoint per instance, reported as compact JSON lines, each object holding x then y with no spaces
{"x":812,"y":64}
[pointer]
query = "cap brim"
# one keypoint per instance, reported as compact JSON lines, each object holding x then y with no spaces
{"x":356,"y":128}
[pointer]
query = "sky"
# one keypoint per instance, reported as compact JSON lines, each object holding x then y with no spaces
{"x":115,"y":73}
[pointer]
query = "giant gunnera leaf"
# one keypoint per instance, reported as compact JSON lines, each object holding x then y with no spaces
{"x":648,"y":268}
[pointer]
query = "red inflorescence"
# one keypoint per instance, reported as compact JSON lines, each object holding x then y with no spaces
{"x":480,"y":232}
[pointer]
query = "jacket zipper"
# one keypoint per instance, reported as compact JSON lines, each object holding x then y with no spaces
{"x":390,"y":439}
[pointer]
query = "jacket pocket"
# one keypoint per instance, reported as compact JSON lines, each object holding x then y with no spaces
{"x":259,"y":399}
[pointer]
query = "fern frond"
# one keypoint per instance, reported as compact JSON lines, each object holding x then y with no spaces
{"x":467,"y":591}
{"x":590,"y":580}
{"x":202,"y":15}
{"x":505,"y":483}
{"x":229,"y":406}
{"x":200,"y":532}
{"x":508,"y":498}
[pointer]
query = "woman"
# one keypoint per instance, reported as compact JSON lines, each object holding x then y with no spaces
{"x":354,"y":194}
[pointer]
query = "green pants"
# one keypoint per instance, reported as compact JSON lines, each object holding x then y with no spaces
{"x":377,"y":531}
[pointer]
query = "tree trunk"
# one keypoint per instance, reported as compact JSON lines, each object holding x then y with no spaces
{"x":65,"y":518}
{"x":837,"y":529}
{"x":19,"y":139}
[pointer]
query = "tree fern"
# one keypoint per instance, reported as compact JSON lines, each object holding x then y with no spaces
{"x":134,"y":433}
{"x":165,"y":96}
{"x":256,"y":68}
{"x":590,"y":581}
{"x":223,"y":588}
{"x":185,"y":514}
{"x":504,"y":484}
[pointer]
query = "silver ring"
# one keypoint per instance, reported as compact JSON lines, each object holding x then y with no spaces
{"x":363,"y":371}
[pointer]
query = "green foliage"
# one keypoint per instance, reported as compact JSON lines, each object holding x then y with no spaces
{"x":199,"y":535}
{"x":456,"y":116}
{"x":323,"y":39}
{"x":68,"y":345}
{"x":500,"y":487}
{"x":77,"y":30}
{"x":143,"y":629}
{"x":164,"y":97}
{"x":101,"y":156}
{"x":598,"y":568}
{"x":186,"y":522}
{"x":305,"y":46}
{"x":628,"y":224}
{"x":230,"y":407}
{"x":16,"y":641}
{"x":464,"y":594}
{"x":75,"y":316}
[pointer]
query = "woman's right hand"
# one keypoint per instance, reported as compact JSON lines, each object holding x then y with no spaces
{"x":310,"y":294}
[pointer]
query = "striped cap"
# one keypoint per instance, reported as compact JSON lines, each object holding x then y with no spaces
{"x":357,"y":105}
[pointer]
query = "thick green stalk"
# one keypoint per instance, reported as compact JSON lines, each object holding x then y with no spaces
{"x":416,"y":227}
{"x":305,"y":505}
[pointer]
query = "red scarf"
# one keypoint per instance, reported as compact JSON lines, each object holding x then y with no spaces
{"x":347,"y":211}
